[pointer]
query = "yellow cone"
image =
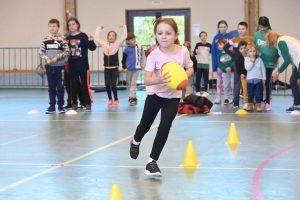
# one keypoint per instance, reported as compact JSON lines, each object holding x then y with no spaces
{"x":190,"y":158}
{"x":232,"y":135}
{"x":241,"y":112}
{"x":115,"y":193}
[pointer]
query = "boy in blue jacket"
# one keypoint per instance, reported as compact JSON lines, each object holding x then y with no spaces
{"x":132,"y":62}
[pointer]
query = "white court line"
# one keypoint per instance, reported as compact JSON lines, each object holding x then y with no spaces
{"x":197,"y":121}
{"x":163,"y":167}
{"x":72,"y":160}
{"x":24,"y":138}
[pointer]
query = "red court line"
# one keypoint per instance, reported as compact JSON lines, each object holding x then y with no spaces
{"x":258,"y":171}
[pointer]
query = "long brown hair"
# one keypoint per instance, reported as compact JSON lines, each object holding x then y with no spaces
{"x":271,"y":38}
{"x":169,"y":21}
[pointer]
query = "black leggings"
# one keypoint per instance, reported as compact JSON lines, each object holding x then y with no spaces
{"x":152,"y":106}
{"x":269,"y":72}
{"x":199,"y":73}
{"x":110,"y":77}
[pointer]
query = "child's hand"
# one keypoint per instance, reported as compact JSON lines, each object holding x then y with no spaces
{"x":126,"y":70}
{"x":54,"y":60}
{"x":91,"y":38}
{"x":163,"y":78}
{"x":48,"y":61}
{"x":101,"y":27}
{"x":198,"y":51}
{"x":264,"y":82}
{"x":243,"y":76}
{"x":228,"y":70}
{"x":121,"y":25}
{"x":252,"y":59}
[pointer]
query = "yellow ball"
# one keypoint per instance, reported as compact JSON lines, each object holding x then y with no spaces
{"x":178,"y":79}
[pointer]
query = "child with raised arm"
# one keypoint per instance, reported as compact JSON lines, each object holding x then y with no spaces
{"x":159,"y":95}
{"x":226,"y":65}
{"x":54,"y":50}
{"x":243,"y":36}
{"x":202,"y":52}
{"x":111,"y":61}
{"x":256,"y":77}
{"x":133,"y":61}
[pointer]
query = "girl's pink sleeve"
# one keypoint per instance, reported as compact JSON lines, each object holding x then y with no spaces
{"x":150,"y":65}
{"x":124,"y":36}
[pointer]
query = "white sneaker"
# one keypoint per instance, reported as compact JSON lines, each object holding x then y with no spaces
{"x":198,"y":93}
{"x":245,"y":106}
{"x":205,"y":94}
{"x":217,"y":101}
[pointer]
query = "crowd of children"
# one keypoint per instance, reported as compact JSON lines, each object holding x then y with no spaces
{"x":240,"y":61}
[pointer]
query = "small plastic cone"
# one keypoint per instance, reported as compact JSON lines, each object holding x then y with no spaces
{"x":232,"y":135}
{"x":190,"y":158}
{"x":241,"y":112}
{"x":115,"y":193}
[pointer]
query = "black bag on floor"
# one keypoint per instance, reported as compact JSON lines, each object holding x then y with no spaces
{"x":198,"y":101}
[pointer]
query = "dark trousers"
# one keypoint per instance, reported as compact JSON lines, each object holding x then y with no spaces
{"x":269,"y":72}
{"x":295,"y":88}
{"x":199,"y":73}
{"x":55,"y":77}
{"x":152,"y":106}
{"x":82,"y":77}
{"x":110,"y":77}
{"x":67,"y":82}
{"x":254,"y":90}
{"x":237,"y":87}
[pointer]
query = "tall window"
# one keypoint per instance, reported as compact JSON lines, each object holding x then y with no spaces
{"x":140,"y":22}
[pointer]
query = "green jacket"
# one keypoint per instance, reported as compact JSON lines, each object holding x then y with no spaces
{"x":267,"y":54}
{"x":224,"y":61}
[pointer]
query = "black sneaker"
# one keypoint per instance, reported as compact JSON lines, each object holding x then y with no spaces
{"x":88,"y":108}
{"x":68,"y":107}
{"x":50,"y":110}
{"x":61,"y":109}
{"x":134,"y":150}
{"x":152,"y":169}
{"x":75,"y":107}
{"x":226,"y":102}
{"x":130,"y":100}
{"x":133,"y":101}
{"x":236,"y":105}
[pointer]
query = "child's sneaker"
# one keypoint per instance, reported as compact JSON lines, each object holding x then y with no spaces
{"x":230,"y":101}
{"x":88,"y":108}
{"x":152,"y":169}
{"x":130,"y":100}
{"x":258,"y":107}
{"x":205,"y":94}
{"x":217,"y":101}
{"x":110,"y":103}
{"x":82,"y":107}
{"x":116,"y":103}
{"x":134,"y":150}
{"x":236,"y":105}
{"x":268,"y":107}
{"x":226,"y":102}
{"x":61,"y":109}
{"x":245,"y":106}
{"x":249,"y":107}
{"x":75,"y":107}
{"x":292,"y":108}
{"x":50,"y":110}
{"x":68,"y":106}
{"x":133,"y":101}
{"x":198,"y":93}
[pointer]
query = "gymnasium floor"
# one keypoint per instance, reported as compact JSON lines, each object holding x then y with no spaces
{"x":81,"y":156}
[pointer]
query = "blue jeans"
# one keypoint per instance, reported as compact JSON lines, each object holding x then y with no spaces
{"x":55,"y":77}
{"x":254,"y":90}
{"x":295,"y":88}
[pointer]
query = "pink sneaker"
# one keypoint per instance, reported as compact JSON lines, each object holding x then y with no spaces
{"x":268,"y":107}
{"x":116,"y":103}
{"x":110,"y":103}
